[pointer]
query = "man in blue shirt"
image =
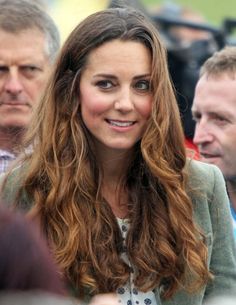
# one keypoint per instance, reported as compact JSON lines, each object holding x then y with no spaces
{"x":29,"y":44}
{"x":214,"y":110}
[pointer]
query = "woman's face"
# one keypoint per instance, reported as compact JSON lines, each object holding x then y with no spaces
{"x":115,"y":94}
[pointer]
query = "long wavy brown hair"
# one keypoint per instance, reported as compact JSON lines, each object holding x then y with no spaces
{"x":63,"y":178}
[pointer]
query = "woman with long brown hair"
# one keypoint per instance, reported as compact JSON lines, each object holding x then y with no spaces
{"x":122,"y":208}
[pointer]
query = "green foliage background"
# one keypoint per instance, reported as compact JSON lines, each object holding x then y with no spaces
{"x":214,"y":10}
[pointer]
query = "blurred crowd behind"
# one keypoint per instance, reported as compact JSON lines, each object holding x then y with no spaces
{"x":67,"y":13}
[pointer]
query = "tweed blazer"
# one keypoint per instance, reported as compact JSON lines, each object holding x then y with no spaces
{"x":212,"y":214}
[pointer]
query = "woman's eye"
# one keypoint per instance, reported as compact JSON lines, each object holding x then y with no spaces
{"x":104,"y":84}
{"x":143,"y":85}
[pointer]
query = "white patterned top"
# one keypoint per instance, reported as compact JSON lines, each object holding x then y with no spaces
{"x":129,"y":294}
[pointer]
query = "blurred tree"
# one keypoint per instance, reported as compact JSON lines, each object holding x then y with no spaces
{"x":68,"y":13}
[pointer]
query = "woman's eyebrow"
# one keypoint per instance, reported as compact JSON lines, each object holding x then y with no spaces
{"x":105,"y":75}
{"x":147,"y":75}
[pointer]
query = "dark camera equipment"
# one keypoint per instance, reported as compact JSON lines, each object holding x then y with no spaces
{"x":185,"y":60}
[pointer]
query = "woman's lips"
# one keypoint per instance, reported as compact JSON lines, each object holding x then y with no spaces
{"x":118,"y":123}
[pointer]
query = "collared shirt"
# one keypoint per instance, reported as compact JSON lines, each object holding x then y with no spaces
{"x":6,"y":158}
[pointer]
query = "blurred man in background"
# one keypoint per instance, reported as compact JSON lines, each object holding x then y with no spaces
{"x":214,"y":110}
{"x":29,"y":44}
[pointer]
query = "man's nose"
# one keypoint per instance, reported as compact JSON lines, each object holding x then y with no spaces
{"x":124,"y":100}
{"x":202,"y":134}
{"x":13,"y":84}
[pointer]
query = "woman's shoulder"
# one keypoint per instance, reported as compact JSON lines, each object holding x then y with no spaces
{"x":205,"y":183}
{"x":196,"y":167}
{"x":10,"y":184}
{"x":203,"y":174}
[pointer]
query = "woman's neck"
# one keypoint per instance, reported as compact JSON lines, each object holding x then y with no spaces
{"x":117,"y":198}
{"x":113,"y":184}
{"x":114,"y":164}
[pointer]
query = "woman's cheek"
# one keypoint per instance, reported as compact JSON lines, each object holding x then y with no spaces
{"x":145,"y":107}
{"x":94,"y":102}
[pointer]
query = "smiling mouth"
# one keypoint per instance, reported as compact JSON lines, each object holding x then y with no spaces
{"x":120,"y":123}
